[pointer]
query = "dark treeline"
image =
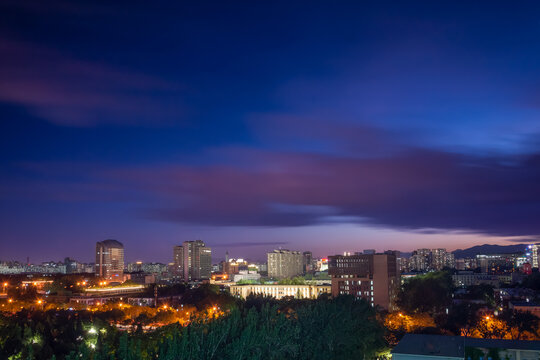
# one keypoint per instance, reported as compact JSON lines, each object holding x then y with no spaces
{"x":258,"y":328}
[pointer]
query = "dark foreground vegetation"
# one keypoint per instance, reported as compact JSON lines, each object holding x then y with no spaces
{"x":258,"y":328}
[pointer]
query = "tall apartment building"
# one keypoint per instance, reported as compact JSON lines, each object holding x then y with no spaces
{"x":110,"y":260}
{"x":192,"y":260}
{"x":307,"y":261}
{"x":373,"y":277}
{"x":533,"y":250}
{"x":438,"y":258}
{"x":285,"y":264}
{"x":431,"y":259}
{"x":178,"y":261}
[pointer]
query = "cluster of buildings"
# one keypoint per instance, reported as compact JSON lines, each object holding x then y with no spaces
{"x":428,"y":259}
{"x":68,"y":266}
{"x":373,"y":276}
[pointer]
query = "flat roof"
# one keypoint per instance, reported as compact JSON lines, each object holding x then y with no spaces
{"x":454,"y":346}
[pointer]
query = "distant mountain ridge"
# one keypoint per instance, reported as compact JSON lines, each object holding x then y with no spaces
{"x":488,"y":249}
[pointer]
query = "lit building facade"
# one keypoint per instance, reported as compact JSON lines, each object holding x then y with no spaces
{"x":373,"y":277}
{"x":110,"y":260}
{"x":285,"y":264}
{"x":178,"y":261}
{"x":281,"y":291}
{"x":193,"y":260}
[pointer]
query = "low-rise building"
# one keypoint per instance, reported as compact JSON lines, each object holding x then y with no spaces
{"x":440,"y":347}
{"x":524,"y":306}
{"x":468,"y":278}
{"x":246,"y":276}
{"x":280,"y":291}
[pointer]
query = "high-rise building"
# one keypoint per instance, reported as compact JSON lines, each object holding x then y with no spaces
{"x":110,"y":260}
{"x":431,"y":259}
{"x":373,"y":277}
{"x":534,"y":254}
{"x":399,"y":260}
{"x":438,"y":259}
{"x":307,"y":261}
{"x":285,"y":264}
{"x":71,"y":266}
{"x":178,"y":260}
{"x":193,"y":260}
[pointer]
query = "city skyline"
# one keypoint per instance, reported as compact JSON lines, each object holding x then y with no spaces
{"x":252,"y":127}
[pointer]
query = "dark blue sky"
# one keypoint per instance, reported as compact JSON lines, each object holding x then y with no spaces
{"x":324,"y":126}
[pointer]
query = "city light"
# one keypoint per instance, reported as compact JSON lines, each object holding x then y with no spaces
{"x":92,"y":330}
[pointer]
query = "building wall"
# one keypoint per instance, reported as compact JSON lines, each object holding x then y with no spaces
{"x":280,"y":291}
{"x":178,"y":260}
{"x":110,"y":260}
{"x":285,"y":264}
{"x":372,"y":277}
{"x":197,"y":260}
{"x":422,"y":357}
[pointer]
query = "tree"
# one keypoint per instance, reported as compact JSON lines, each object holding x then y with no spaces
{"x":431,"y":293}
{"x":521,"y":323}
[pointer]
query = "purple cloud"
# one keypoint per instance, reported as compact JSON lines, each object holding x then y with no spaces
{"x":416,"y":189}
{"x":72,"y":92}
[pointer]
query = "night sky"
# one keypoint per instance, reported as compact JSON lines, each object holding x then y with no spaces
{"x":326,"y":126}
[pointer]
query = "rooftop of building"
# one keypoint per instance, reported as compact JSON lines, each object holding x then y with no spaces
{"x":454,"y":346}
{"x":524,"y":303}
{"x":111,"y":243}
{"x":286,"y":251}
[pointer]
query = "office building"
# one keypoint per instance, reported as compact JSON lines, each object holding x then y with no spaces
{"x":285,"y":264}
{"x":373,"y":277}
{"x":110,"y":260}
{"x":193,"y":260}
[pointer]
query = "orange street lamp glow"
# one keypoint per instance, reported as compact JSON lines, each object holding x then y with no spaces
{"x":10,"y":300}
{"x":6,"y":284}
{"x":39,"y":301}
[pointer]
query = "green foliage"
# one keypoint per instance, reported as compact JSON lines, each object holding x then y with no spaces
{"x":532,"y":281}
{"x":521,"y":321}
{"x":261,"y":328}
{"x":462,"y":318}
{"x":247,"y":282}
{"x":298,"y":280}
{"x":431,"y":293}
{"x":482,"y":292}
